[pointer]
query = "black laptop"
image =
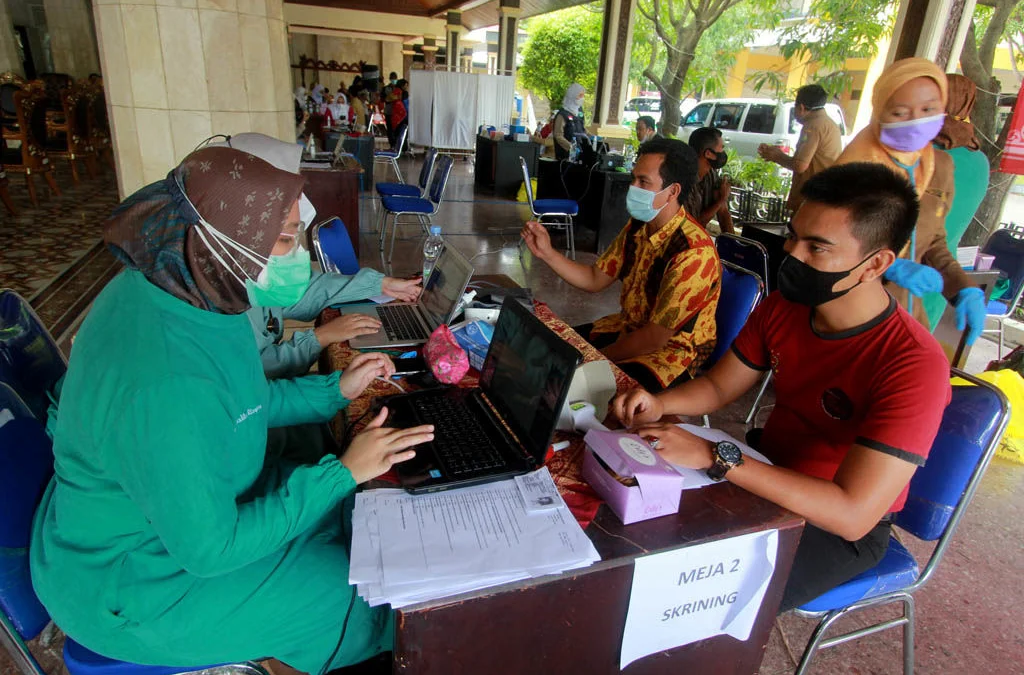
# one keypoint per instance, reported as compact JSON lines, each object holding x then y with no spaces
{"x":504,"y":427}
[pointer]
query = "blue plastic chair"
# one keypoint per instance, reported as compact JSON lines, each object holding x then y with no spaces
{"x":424,"y":208}
{"x":1008,"y":248}
{"x":561,"y":210}
{"x":26,"y":465}
{"x":391,"y":156}
{"x":741,"y":292}
{"x":407,"y":190}
{"x":333,"y":247}
{"x":30,"y":362}
{"x":972,"y":427}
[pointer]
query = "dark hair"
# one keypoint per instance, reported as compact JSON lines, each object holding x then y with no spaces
{"x":648,"y":121}
{"x":678,"y":163}
{"x":811,"y":96}
{"x":882,"y":204}
{"x":401,"y":84}
{"x":704,"y":138}
{"x":393,"y":75}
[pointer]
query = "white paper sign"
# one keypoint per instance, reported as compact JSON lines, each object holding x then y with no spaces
{"x":695,"y":593}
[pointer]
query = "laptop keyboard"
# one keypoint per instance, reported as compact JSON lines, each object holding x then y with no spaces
{"x":400,"y":322}
{"x":460,"y":441}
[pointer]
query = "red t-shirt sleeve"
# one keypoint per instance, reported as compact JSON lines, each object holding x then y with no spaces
{"x":751,"y":345}
{"x":907,"y":406}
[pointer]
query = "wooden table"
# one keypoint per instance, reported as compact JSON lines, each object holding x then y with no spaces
{"x":497,"y":164}
{"x":335,"y":192}
{"x":573,"y":622}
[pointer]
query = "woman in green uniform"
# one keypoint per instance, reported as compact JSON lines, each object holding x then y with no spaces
{"x":167,"y":535}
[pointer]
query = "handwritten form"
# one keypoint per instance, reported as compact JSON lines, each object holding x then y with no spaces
{"x":412,"y":548}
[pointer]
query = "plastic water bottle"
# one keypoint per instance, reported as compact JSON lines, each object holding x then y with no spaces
{"x":431,"y":250}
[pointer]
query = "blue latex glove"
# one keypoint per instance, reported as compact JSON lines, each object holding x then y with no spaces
{"x":970,"y":312}
{"x":917,"y":278}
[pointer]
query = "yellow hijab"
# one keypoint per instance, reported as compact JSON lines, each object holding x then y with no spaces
{"x":867,"y":146}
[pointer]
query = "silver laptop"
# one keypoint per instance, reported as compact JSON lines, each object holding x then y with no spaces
{"x":411,"y":323}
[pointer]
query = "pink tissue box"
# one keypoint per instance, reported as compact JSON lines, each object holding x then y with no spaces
{"x":984,"y":262}
{"x":659,"y":485}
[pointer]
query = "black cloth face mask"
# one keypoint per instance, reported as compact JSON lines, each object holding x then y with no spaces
{"x":720,"y":159}
{"x":805,"y":285}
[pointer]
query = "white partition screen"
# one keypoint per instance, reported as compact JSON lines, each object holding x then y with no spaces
{"x":447,"y":108}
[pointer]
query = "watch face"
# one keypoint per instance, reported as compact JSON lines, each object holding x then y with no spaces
{"x":729,"y":452}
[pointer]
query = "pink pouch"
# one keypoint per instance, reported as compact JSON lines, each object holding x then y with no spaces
{"x":447,"y":360}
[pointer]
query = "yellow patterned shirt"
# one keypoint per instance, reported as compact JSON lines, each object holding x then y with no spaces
{"x":673,"y":279}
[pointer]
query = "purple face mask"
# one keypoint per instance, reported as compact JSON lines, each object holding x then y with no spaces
{"x":912,"y":135}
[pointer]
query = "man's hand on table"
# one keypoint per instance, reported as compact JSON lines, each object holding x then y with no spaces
{"x":678,"y":446}
{"x":363,"y":369}
{"x":345,"y":327}
{"x":537,"y":239}
{"x":637,"y":407}
{"x":376,"y":449}
{"x":406,"y":290}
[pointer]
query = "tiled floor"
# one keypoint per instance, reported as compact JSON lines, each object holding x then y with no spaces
{"x":969,"y":616}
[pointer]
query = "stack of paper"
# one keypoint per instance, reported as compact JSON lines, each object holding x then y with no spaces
{"x":413,"y":548}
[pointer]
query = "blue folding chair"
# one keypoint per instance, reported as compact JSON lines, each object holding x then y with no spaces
{"x":972,"y":427}
{"x":741,"y":292}
{"x":424,"y":208}
{"x":333,"y":247}
{"x":562,"y":210}
{"x":26,"y":465}
{"x":407,"y":190}
{"x":1008,"y":248}
{"x":30,"y":362}
{"x":391,"y":156}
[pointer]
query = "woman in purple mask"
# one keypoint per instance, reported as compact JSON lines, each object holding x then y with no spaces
{"x":908,"y":111}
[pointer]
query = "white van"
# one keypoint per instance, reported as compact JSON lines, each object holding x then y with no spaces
{"x":748,"y":122}
{"x":650,"y":105}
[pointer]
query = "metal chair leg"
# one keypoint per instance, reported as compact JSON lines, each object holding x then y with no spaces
{"x":1001,"y":338}
{"x":12,"y":643}
{"x":816,"y":637}
{"x":572,"y":237}
{"x":908,"y":635}
{"x":398,"y":171}
{"x":760,"y":395}
{"x":383,"y":230}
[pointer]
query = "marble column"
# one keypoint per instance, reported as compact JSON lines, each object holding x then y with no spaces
{"x":613,"y":69}
{"x":72,"y":37}
{"x":453,"y":48}
{"x":408,"y":54}
{"x":10,"y":60}
{"x":508,"y":36}
{"x":197,"y":68}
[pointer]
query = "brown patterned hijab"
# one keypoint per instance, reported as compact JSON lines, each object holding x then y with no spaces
{"x":207,"y":227}
{"x":958,"y":131}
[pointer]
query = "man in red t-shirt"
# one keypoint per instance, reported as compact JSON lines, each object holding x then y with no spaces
{"x":860,"y":385}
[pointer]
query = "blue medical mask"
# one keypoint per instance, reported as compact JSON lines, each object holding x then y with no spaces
{"x":640,"y":203}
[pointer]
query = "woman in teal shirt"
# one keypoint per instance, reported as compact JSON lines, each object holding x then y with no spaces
{"x":167,"y":535}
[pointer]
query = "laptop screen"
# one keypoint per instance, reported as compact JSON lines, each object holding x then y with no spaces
{"x":445,"y":286}
{"x":527,"y":374}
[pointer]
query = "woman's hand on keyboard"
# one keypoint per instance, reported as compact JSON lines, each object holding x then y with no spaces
{"x":376,"y":449}
{"x":345,"y":327}
{"x":405,"y":290}
{"x":363,"y":369}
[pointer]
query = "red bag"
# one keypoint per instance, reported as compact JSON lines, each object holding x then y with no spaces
{"x":447,"y":360}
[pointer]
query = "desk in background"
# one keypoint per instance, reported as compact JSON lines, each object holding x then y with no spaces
{"x":573,"y":622}
{"x":600,"y":194}
{"x":497,"y":164}
{"x":335,"y":192}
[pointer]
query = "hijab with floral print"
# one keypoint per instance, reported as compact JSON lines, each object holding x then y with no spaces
{"x":157,"y":229}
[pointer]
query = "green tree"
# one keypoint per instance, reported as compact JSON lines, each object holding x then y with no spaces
{"x":678,"y":27}
{"x":563,"y":47}
{"x":993,"y":22}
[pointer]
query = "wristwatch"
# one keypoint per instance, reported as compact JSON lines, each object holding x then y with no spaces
{"x":727,"y":456}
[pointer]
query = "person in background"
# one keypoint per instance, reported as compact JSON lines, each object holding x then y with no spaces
{"x":568,"y":125}
{"x":709,"y":197}
{"x":399,"y":118}
{"x":386,"y":94}
{"x":970,"y":173}
{"x":188,"y":544}
{"x":646,"y":129}
{"x":860,"y":385}
{"x":818,"y":148}
{"x":908,"y":110}
{"x":359,"y":108}
{"x":669,"y":270}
